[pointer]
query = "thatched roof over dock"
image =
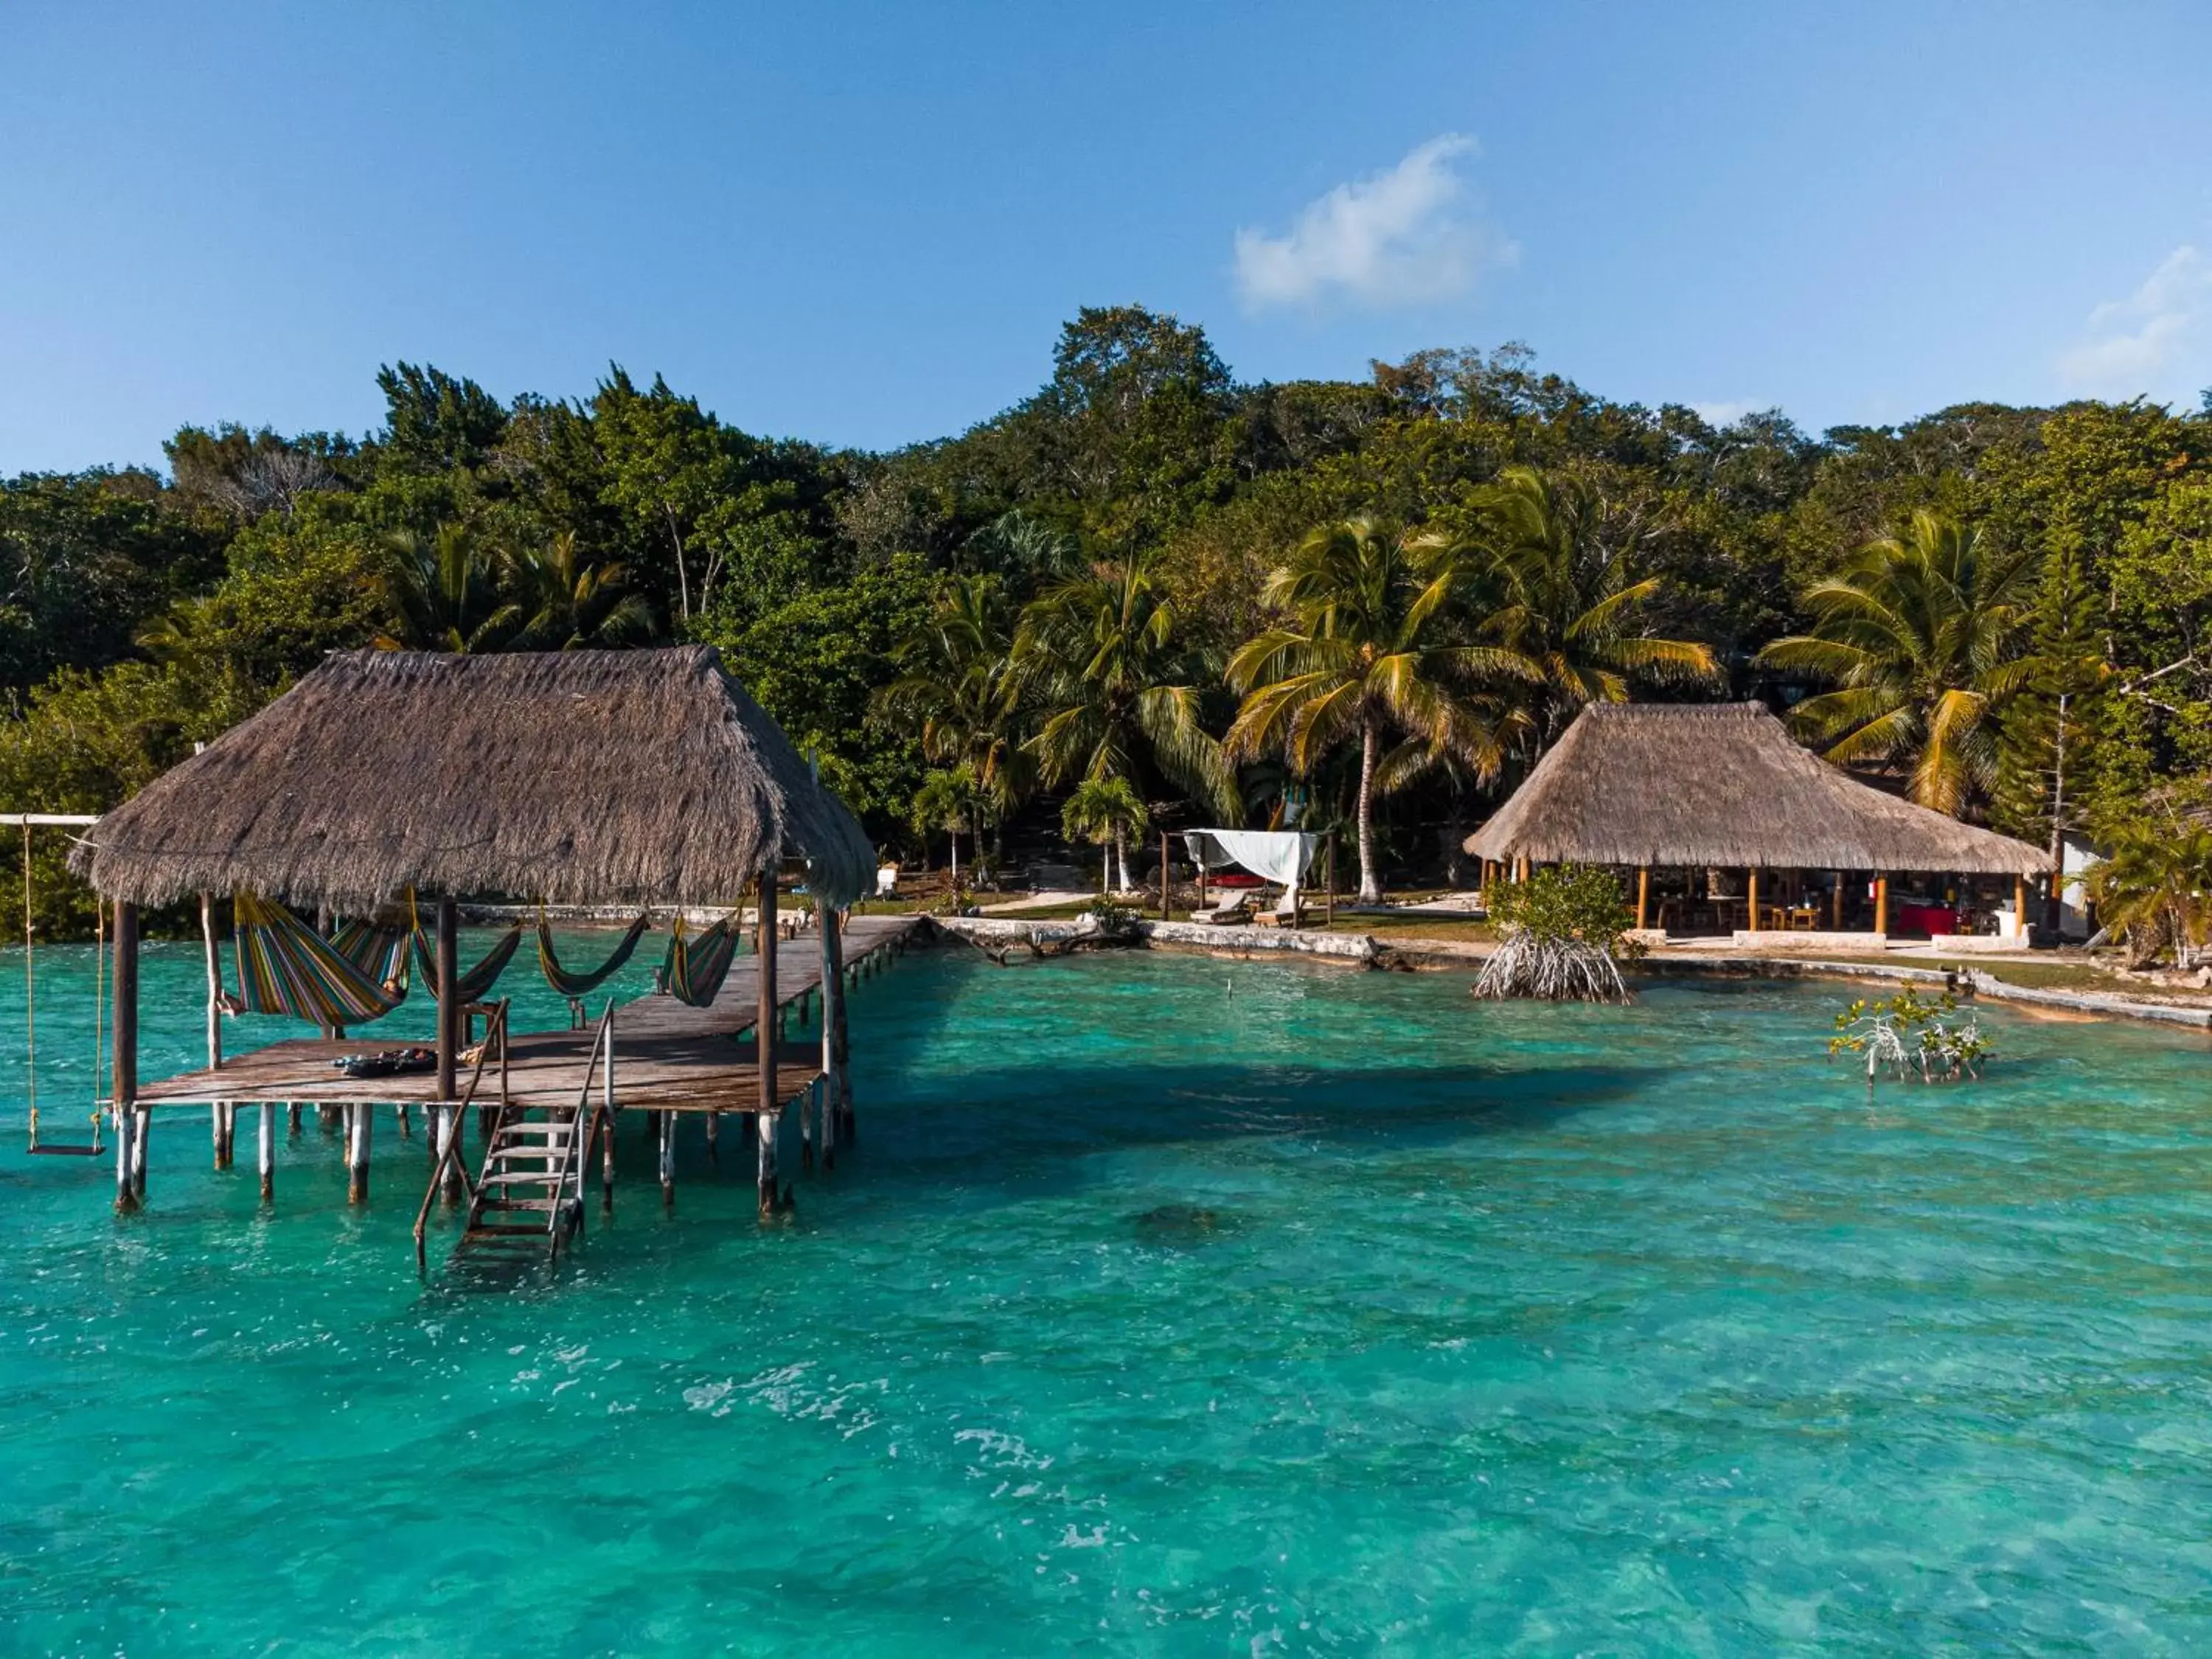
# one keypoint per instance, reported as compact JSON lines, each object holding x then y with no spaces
{"x":608,"y":777}
{"x":1699,"y":785}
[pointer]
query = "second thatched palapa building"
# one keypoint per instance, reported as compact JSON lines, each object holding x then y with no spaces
{"x":1731,"y":826}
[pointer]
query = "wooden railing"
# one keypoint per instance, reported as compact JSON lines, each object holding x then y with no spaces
{"x":577,"y":1157}
{"x":450,"y":1161}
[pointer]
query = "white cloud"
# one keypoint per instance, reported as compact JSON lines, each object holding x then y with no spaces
{"x":1404,"y":237}
{"x":2138,"y":345}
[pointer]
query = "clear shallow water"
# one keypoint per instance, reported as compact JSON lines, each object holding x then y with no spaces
{"x":1170,"y":1306}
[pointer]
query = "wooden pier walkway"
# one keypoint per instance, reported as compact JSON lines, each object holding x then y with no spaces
{"x":670,"y":1057}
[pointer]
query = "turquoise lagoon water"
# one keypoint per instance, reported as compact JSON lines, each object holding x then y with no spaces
{"x":1168,"y":1307}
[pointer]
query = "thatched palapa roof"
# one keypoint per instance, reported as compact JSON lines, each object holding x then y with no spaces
{"x":607,"y":777}
{"x":1699,"y":785}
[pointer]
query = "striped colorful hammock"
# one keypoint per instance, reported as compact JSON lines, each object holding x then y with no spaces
{"x":478,"y":981}
{"x":696,"y":967}
{"x":285,"y":967}
{"x":573,"y":985}
{"x":378,"y":952}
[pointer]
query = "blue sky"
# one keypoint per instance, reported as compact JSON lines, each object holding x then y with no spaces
{"x":865,"y":225}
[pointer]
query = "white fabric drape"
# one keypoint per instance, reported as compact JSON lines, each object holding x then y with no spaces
{"x":1282,"y":856}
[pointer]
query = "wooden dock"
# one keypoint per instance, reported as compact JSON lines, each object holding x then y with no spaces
{"x":668,"y":1059}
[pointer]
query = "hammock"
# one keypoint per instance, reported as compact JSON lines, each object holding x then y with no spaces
{"x":696,"y":968}
{"x":573,"y":985}
{"x":285,"y":967}
{"x":379,"y":952}
{"x":478,"y":980}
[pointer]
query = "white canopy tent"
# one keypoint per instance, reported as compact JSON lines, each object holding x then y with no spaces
{"x":1282,"y":856}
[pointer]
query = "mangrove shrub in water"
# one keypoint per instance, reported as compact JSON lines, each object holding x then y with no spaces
{"x":1564,"y":932}
{"x":1903,"y":1035}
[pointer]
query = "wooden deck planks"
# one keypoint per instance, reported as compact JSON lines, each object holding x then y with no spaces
{"x":668,"y":1056}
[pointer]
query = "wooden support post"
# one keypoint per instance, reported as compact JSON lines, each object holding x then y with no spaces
{"x":667,"y":1159}
{"x":1521,"y":868}
{"x":607,"y":1167}
{"x":130,"y":1125}
{"x":407,"y":1122}
{"x":1750,"y":901}
{"x":833,"y":1005}
{"x":1164,"y":916}
{"x":292,"y":1119}
{"x":2020,"y":909}
{"x":446,"y":1128}
{"x":1836,"y":901}
{"x":1880,"y":903}
{"x":713,"y":1138}
{"x":764,"y":1013}
{"x":768,"y":1176}
{"x":357,"y":1154}
{"x":267,"y":1149}
{"x":221,"y":1115}
{"x":449,"y":1001}
{"x":1643,"y":895}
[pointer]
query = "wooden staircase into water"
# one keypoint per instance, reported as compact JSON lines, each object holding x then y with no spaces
{"x":529,"y":1190}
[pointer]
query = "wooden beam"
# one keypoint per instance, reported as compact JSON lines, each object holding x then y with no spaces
{"x":667,"y":1140}
{"x":764,"y":1021}
{"x":449,"y":1001}
{"x":840,"y":1049}
{"x":1836,"y":901}
{"x":130,"y":1129}
{"x":1164,"y":877}
{"x":1643,"y":895}
{"x":2020,"y":908}
{"x":1881,"y":902}
{"x":1750,"y":901}
{"x":267,"y":1150}
{"x":215,"y":983}
{"x":832,"y":992}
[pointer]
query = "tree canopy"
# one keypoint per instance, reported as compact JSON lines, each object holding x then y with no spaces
{"x":2003,"y":610}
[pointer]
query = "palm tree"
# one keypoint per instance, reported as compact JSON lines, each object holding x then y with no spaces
{"x":1562,"y":602}
{"x":570,"y":603}
{"x":2154,"y":887}
{"x":445,"y":590}
{"x":1106,"y":812}
{"x":1368,"y":653}
{"x":948,"y":799}
{"x":1921,"y":635}
{"x":1101,"y":653}
{"x":956,"y":678}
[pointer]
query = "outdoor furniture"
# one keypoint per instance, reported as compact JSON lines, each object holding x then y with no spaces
{"x":1230,"y":910}
{"x":1804,"y":919}
{"x":1284,"y":914}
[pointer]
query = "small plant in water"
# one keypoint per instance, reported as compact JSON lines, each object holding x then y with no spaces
{"x":1905,"y":1034}
{"x":1565,"y":936}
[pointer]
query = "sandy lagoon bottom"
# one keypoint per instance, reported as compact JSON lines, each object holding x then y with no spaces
{"x":1173,"y":1307}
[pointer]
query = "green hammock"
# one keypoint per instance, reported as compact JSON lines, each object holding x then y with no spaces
{"x":696,"y":967}
{"x":573,"y":985}
{"x":285,"y":967}
{"x":478,"y":981}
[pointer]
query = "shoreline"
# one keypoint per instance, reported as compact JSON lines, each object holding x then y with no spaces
{"x":1414,"y":955}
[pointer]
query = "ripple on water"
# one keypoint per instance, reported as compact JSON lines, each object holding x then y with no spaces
{"x":1167,"y":1308}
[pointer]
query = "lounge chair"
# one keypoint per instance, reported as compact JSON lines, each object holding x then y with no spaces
{"x":1284,"y":914}
{"x":1229,"y":911}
